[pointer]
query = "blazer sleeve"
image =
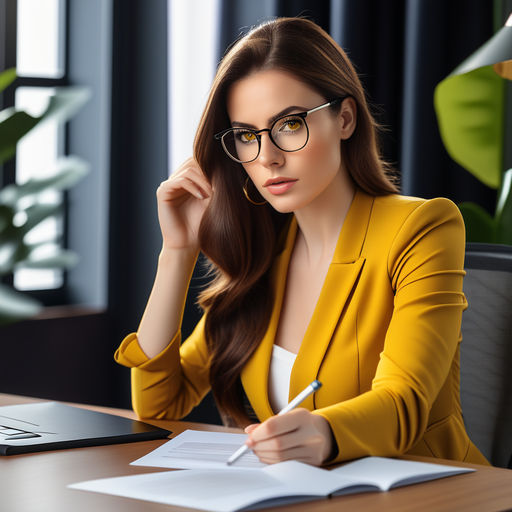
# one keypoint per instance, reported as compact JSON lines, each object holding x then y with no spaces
{"x":425,"y":264}
{"x":171,"y":384}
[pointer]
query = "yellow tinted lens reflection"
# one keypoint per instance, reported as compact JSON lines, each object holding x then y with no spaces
{"x":290,"y":133}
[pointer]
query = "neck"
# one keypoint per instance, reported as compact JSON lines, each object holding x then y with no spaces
{"x":320,"y":222}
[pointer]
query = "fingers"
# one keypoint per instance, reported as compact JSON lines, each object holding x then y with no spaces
{"x":181,"y":202}
{"x":298,"y":453}
{"x":251,"y":427}
{"x":178,"y":186}
{"x":188,"y":179}
{"x":298,"y":435}
{"x":278,"y":425}
{"x":190,"y":168}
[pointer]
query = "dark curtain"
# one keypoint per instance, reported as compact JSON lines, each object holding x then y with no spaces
{"x":138,"y":163}
{"x":401,"y":49}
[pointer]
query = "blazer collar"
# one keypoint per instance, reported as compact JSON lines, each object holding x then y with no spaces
{"x":345,"y":267}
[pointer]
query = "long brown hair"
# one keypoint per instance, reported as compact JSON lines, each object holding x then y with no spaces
{"x":240,"y":239}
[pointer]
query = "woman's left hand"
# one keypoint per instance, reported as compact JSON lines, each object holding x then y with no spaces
{"x":298,"y":435}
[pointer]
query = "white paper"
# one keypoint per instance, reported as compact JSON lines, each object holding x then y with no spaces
{"x":219,"y":490}
{"x":194,"y":449}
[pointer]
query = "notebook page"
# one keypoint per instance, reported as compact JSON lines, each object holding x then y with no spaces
{"x":387,"y":472}
{"x":220,"y":490}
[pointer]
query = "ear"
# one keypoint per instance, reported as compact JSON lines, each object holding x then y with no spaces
{"x":347,"y":117}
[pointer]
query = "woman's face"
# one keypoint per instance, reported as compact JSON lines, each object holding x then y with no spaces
{"x":290,"y":181}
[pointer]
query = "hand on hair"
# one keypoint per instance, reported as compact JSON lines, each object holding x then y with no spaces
{"x":182,"y":200}
{"x":298,"y":435}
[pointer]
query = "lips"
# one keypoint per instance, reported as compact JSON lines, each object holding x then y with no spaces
{"x":275,"y":181}
{"x":277,"y":186}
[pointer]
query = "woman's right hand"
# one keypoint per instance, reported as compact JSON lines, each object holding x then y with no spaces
{"x":182,"y":200}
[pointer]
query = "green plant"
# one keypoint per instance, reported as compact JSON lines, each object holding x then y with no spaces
{"x":23,"y":206}
{"x":470,"y":107}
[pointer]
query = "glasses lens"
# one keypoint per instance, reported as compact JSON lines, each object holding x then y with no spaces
{"x":240,"y":144}
{"x":290,"y":133}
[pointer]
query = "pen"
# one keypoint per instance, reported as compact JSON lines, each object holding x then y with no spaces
{"x":316,"y":384}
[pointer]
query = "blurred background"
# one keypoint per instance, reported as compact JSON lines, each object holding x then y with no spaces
{"x":146,"y":66}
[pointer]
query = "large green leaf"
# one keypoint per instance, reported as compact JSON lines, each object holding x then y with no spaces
{"x":64,"y":103}
{"x":470,"y":106}
{"x":6,"y":215}
{"x":480,"y":226}
{"x":13,"y":249}
{"x":7,"y":77}
{"x":470,"y":112}
{"x":13,"y":126}
{"x":37,"y":213}
{"x":70,"y":170}
{"x":8,"y":250}
{"x":60,"y":258}
{"x":15,"y":306}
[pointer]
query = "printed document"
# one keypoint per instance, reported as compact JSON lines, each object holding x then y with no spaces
{"x":194,"y":449}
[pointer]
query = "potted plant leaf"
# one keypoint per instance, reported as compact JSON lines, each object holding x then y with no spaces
{"x":22,"y":206}
{"x":471,"y":111}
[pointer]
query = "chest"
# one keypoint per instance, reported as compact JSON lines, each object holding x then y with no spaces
{"x":302,"y":291}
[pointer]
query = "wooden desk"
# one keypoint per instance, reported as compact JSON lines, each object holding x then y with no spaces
{"x":37,"y":482}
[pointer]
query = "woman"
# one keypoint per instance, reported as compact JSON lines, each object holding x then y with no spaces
{"x":321,"y":270}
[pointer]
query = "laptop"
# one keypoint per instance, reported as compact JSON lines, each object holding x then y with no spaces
{"x":44,"y":426}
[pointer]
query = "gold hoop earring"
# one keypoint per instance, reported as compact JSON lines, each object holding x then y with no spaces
{"x":246,"y":194}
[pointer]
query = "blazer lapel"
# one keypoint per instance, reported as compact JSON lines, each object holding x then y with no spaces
{"x":341,"y":278}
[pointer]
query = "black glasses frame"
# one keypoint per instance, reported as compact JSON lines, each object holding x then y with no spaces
{"x":257,"y":133}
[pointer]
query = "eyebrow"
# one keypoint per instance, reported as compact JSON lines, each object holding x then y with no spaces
{"x":284,"y":112}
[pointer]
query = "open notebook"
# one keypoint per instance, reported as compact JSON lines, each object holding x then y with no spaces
{"x":52,"y":425}
{"x":228,"y":490}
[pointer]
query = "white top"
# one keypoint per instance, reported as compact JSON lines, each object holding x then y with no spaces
{"x":279,"y":377}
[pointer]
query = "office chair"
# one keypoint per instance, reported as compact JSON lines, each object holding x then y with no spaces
{"x":486,"y":351}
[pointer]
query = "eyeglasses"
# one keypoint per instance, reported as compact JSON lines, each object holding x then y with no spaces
{"x":289,"y":133}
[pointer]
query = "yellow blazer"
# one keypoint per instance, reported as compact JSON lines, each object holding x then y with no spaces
{"x":383,"y":339}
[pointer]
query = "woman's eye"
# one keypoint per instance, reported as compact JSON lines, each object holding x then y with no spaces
{"x":247,"y":137}
{"x":291,"y":125}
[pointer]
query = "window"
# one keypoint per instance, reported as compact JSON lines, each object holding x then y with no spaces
{"x":40,"y":38}
{"x":193,"y":59}
{"x":40,"y":66}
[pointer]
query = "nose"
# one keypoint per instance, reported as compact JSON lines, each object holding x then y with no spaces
{"x":270,"y":155}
